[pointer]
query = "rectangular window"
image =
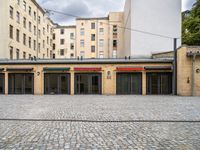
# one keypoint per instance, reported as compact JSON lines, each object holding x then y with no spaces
{"x":101,"y":42}
{"x":72,"y":46}
{"x":71,"y":55}
{"x":39,"y":19}
{"x":82,"y":31}
{"x":17,"y":54}
{"x":30,"y":26}
{"x":54,"y":36}
{"x":11,"y":12}
{"x":43,"y":44}
{"x":18,"y":17}
{"x":82,"y":54}
{"x":24,"y":39}
{"x":43,"y":31}
{"x":62,"y":31}
{"x":29,"y":42}
{"x":82,"y":43}
{"x":101,"y":54}
{"x":34,"y":30}
{"x":39,"y":47}
{"x":47,"y":40}
{"x":17,"y":35}
{"x":93,"y":25}
{"x":101,"y":31}
{"x":11,"y":52}
{"x":34,"y":15}
{"x":24,"y":6}
{"x":54,"y":46}
{"x":47,"y":52}
{"x":93,"y":37}
{"x":114,"y":43}
{"x":114,"y":28}
{"x":24,"y":55}
{"x":62,"y":41}
{"x":114,"y":54}
{"x":34,"y":45}
{"x":62,"y":52}
{"x":24,"y":22}
{"x":29,"y":11}
{"x":93,"y":49}
{"x":71,"y":36}
{"x":11,"y":32}
{"x":39,"y":33}
{"x":29,"y":56}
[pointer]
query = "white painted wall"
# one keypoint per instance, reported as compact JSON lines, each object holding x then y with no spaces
{"x":161,"y":17}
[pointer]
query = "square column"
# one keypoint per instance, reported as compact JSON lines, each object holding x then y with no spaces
{"x":144,"y":83}
{"x":72,"y":83}
{"x":6,"y":83}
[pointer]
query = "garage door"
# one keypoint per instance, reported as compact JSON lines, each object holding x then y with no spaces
{"x":159,"y":83}
{"x":56,"y":83}
{"x":2,"y":84}
{"x":129,"y":83}
{"x":88,"y":83}
{"x":21,"y":83}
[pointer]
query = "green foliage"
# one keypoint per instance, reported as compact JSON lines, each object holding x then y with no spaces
{"x":191,"y":25}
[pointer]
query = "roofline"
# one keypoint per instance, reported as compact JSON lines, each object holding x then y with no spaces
{"x":100,"y":18}
{"x":38,"y":6}
{"x":60,"y":27}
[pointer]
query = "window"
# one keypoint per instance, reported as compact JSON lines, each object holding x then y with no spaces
{"x":39,"y":47}
{"x":29,"y":42}
{"x":34,"y":45}
{"x":115,"y":28}
{"x":34,"y":15}
{"x":72,"y":46}
{"x":62,"y":31}
{"x":29,"y":56}
{"x":11,"y":12}
{"x":17,"y":35}
{"x":71,"y":55}
{"x":34,"y":30}
{"x":39,"y":19}
{"x":11,"y":32}
{"x":82,"y":31}
{"x":71,"y":36}
{"x":17,"y":54}
{"x":54,"y":46}
{"x":24,"y":22}
{"x":39,"y":33}
{"x":101,"y":31}
{"x":62,"y":52}
{"x":114,"y":54}
{"x":48,"y":28}
{"x":24,"y":55}
{"x":93,"y":49}
{"x":54,"y":36}
{"x":93,"y":37}
{"x":30,"y":28}
{"x":18,"y":2}
{"x":47,"y":52}
{"x":11,"y":52}
{"x":101,"y":55}
{"x":92,"y":25}
{"x":62,"y":41}
{"x":82,"y":43}
{"x":29,"y":11}
{"x":24,"y":39}
{"x":24,"y":6}
{"x":101,"y":42}
{"x":18,"y":17}
{"x":43,"y":31}
{"x":115,"y":43}
{"x":82,"y":54}
{"x":43,"y":44}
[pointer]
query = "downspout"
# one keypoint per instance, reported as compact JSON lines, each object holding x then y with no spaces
{"x":193,"y":74}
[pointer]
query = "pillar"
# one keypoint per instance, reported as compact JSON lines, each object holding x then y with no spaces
{"x":144,"y":83}
{"x":72,"y":76}
{"x":6,"y":83}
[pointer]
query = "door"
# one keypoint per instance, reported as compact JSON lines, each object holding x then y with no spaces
{"x":56,"y":83}
{"x":88,"y":84}
{"x":2,"y":84}
{"x":159,"y":83}
{"x":129,"y":83}
{"x":21,"y":83}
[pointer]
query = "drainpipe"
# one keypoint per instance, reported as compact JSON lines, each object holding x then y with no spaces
{"x":175,"y":68}
{"x":193,"y":74}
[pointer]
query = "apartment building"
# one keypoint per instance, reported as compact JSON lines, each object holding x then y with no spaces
{"x":100,"y":37}
{"x":26,"y":31}
{"x":64,"y":42}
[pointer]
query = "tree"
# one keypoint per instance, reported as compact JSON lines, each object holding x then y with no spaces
{"x":191,"y":25}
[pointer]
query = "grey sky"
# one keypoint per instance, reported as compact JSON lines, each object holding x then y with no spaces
{"x":88,"y":8}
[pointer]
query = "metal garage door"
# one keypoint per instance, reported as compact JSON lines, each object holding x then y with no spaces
{"x":56,"y":83}
{"x":88,"y":83}
{"x":21,"y":83}
{"x":129,"y":83}
{"x":159,"y":83}
{"x":2,"y":85}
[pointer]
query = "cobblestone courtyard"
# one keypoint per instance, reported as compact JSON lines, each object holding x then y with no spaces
{"x":82,"y":122}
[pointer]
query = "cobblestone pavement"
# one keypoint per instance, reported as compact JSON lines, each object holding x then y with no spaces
{"x":65,"y":134}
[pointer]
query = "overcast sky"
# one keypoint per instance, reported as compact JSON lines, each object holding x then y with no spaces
{"x":88,"y":8}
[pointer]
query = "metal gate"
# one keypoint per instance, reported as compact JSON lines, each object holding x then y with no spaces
{"x":159,"y":83}
{"x":129,"y":83}
{"x":2,"y":83}
{"x":55,"y":83}
{"x":88,"y":83}
{"x":21,"y":83}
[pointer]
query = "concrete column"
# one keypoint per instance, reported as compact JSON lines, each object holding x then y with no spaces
{"x":72,"y":83}
{"x":6,"y":83}
{"x":144,"y":83}
{"x":38,"y":82}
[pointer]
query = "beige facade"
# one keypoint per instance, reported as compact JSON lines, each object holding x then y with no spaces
{"x":100,"y":37}
{"x":26,"y":31}
{"x":64,"y":42}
